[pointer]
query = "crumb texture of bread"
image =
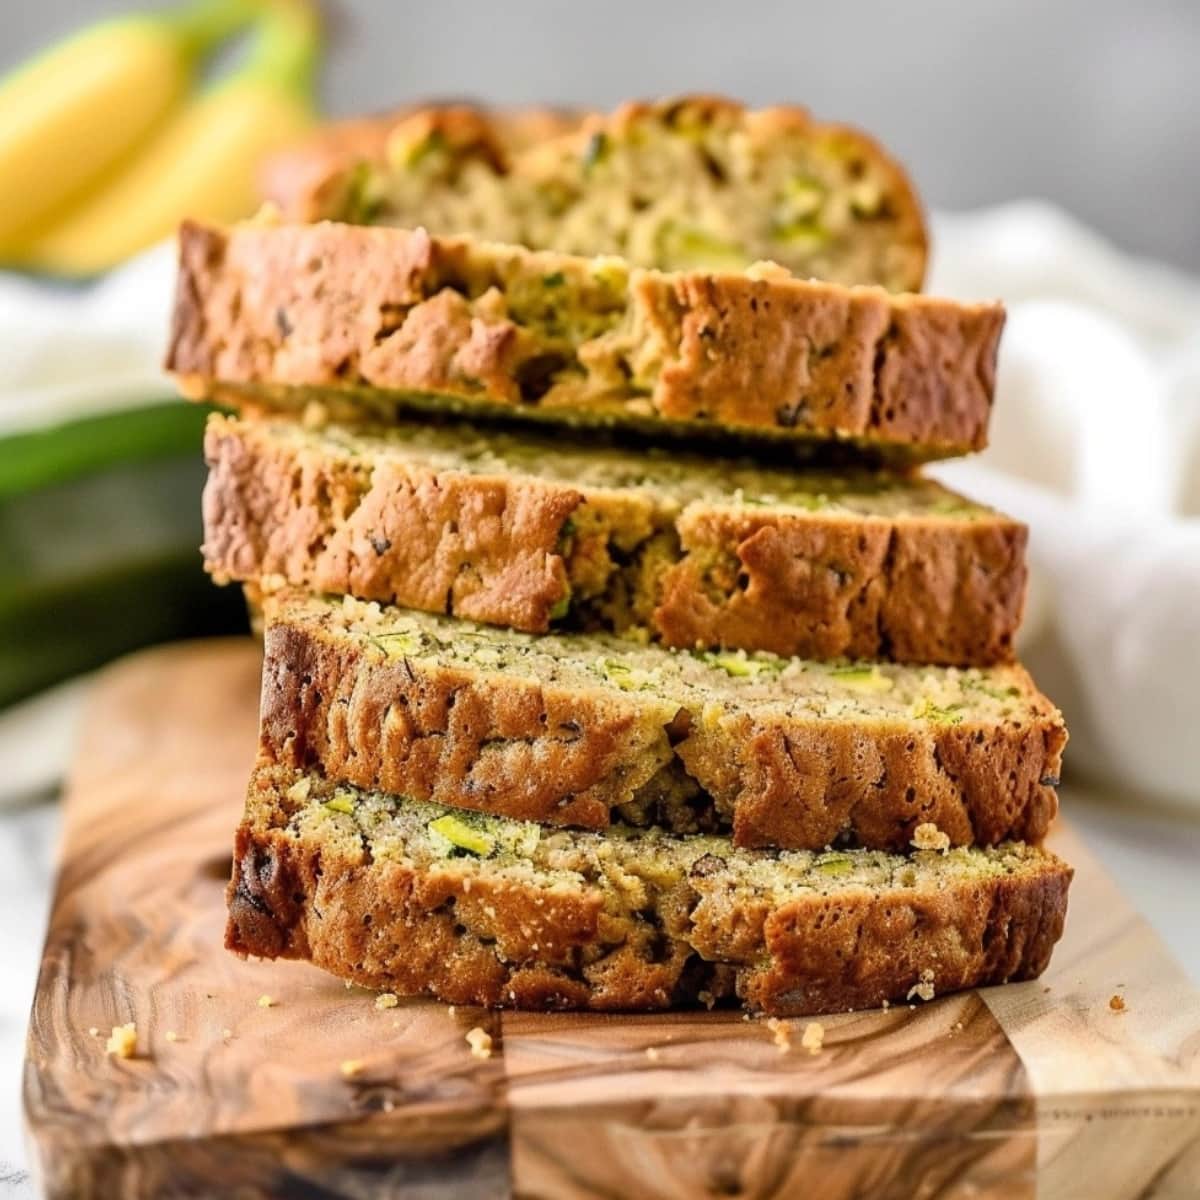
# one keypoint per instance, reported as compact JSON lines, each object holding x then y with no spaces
{"x":813,"y":1039}
{"x":680,"y":183}
{"x":480,"y":1042}
{"x":689,"y":552}
{"x":586,"y":729}
{"x":385,"y":893}
{"x":927,"y":836}
{"x":373,"y":321}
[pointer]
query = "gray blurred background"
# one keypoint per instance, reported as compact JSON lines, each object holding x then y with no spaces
{"x":1094,"y":104}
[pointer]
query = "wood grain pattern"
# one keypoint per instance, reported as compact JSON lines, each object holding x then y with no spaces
{"x":707,"y":1105}
{"x":1011,"y":1092}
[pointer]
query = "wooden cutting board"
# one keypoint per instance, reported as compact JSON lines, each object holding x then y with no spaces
{"x":1033,"y":1089}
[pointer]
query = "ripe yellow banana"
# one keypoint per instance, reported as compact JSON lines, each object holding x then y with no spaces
{"x":77,"y":109}
{"x":203,"y":162}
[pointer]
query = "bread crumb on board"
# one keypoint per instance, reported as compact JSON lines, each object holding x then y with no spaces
{"x":122,"y":1042}
{"x":924,"y":989}
{"x":350,"y":1067}
{"x":813,"y":1038}
{"x":265,"y":1001}
{"x":172,"y":1036}
{"x":480,"y":1042}
{"x":653,"y":1053}
{"x":927,"y":836}
{"x":1117,"y":1003}
{"x":781,"y":1033}
{"x":386,"y":1000}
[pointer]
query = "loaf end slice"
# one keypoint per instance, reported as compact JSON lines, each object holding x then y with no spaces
{"x":681,"y":183}
{"x":418,"y":899}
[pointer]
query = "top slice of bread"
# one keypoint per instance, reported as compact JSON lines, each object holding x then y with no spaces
{"x":688,"y":183}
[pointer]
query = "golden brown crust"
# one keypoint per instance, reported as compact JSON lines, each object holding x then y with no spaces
{"x":836,"y":361}
{"x":911,"y":590}
{"x":481,"y":547}
{"x":534,"y":749}
{"x":454,"y":736}
{"x":488,"y":546}
{"x":502,"y":942}
{"x":338,"y":308}
{"x":819,"y":958}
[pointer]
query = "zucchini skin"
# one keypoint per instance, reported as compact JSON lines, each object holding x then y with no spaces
{"x":99,"y":535}
{"x":38,"y":458}
{"x":51,"y":634}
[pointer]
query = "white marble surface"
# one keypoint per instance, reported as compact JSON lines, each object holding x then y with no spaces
{"x":1154,"y":854}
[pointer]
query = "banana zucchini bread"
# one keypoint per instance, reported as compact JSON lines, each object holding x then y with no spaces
{"x":371,"y":321}
{"x":413,"y":897}
{"x":587,"y":729}
{"x":695,"y":182}
{"x":532,"y":531}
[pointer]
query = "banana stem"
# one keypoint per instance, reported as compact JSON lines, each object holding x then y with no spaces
{"x":286,"y":47}
{"x":203,"y":24}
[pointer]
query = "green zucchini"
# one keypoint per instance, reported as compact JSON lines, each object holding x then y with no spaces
{"x":99,"y":545}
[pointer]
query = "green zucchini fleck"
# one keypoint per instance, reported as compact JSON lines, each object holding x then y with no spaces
{"x":462,"y":836}
{"x":428,"y":145}
{"x":835,"y":866}
{"x":741,"y":665}
{"x":596,"y":150}
{"x":949,"y":714}
{"x":562,"y":606}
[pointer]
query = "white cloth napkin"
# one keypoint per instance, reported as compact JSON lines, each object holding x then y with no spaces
{"x":1095,"y":443}
{"x":66,"y":350}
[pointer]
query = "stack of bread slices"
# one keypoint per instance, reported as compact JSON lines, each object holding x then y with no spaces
{"x":617,"y":654}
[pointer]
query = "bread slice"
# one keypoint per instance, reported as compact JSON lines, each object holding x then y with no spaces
{"x":692,"y":182}
{"x":333,"y":172}
{"x":585,"y":729}
{"x":371,"y":321}
{"x":685,"y":550}
{"x":417,"y":898}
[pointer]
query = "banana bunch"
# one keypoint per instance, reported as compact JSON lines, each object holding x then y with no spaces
{"x":105,"y":145}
